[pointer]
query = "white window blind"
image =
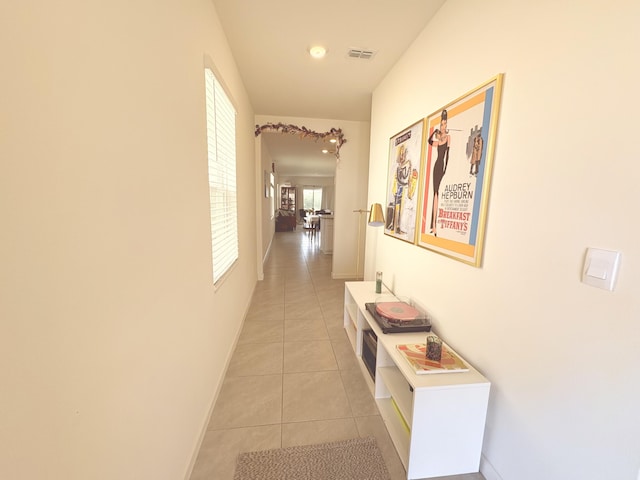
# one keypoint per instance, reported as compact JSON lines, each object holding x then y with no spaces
{"x":221,"y":142}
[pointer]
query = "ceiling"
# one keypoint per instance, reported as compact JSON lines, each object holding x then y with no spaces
{"x":270,"y":42}
{"x":300,"y":158}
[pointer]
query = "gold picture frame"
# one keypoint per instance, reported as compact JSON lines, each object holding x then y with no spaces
{"x":458,"y":157}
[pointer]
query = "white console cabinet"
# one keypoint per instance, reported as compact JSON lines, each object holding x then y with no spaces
{"x":436,"y":421}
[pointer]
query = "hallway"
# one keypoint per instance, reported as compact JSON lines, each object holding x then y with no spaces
{"x":293,"y":378}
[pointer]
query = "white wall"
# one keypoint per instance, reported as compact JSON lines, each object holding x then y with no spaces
{"x":350,"y":185}
{"x":266,"y":207}
{"x":563,"y":357}
{"x":112,"y":338}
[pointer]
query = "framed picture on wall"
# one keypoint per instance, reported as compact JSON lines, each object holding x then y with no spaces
{"x":459,"y":148}
{"x":403,"y":179}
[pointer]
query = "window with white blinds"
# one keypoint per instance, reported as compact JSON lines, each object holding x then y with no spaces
{"x":221,"y":142}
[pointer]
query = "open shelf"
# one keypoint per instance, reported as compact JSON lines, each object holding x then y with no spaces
{"x":352,"y":332}
{"x":352,"y":312}
{"x":398,"y":432}
{"x":399,"y":390}
{"x":351,"y":322}
{"x":419,"y":411}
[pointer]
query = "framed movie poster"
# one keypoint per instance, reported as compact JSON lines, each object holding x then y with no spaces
{"x":459,"y":155}
{"x":403,"y":179}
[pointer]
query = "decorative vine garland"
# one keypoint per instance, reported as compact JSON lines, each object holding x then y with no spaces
{"x":304,"y":132}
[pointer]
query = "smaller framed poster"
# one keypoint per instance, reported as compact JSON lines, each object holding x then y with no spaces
{"x":403,"y":181}
{"x":460,"y":142}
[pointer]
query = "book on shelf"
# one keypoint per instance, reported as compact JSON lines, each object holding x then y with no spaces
{"x":416,"y":355}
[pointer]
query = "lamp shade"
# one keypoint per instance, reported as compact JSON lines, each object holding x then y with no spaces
{"x":376,"y":217}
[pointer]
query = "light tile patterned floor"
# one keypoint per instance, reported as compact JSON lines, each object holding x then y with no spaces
{"x":293,"y":378}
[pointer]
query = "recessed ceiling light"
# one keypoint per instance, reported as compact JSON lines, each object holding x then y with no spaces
{"x":317,"y":51}
{"x":325,"y":150}
{"x":333,"y":140}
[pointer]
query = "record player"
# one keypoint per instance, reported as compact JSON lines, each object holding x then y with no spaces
{"x":398,"y":317}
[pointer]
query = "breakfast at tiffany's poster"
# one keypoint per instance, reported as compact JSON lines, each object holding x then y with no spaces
{"x":459,"y":154}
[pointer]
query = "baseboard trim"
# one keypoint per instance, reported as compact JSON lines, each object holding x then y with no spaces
{"x":487,"y":470}
{"x":344,"y":276}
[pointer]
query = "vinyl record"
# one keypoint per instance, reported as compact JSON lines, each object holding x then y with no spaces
{"x":397,"y":311}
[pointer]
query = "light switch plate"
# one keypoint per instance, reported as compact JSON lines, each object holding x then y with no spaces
{"x":601,"y":268}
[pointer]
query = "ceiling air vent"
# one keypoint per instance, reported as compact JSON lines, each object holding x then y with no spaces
{"x":360,"y":53}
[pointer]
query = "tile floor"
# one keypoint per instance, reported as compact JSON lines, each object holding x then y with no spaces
{"x":293,"y":378}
